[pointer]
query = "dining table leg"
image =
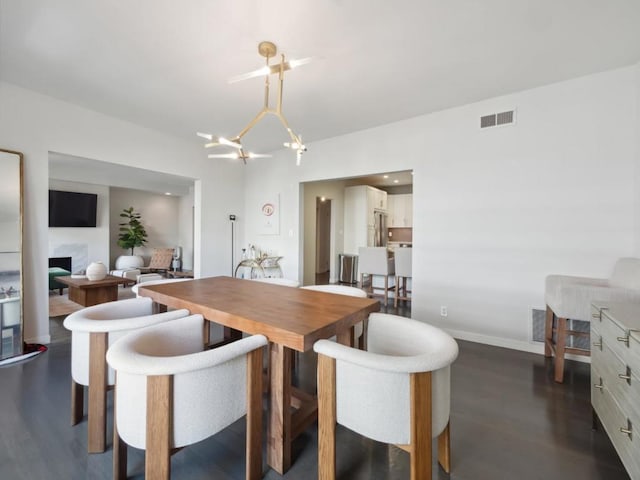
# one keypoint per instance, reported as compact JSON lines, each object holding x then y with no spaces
{"x":279,"y":426}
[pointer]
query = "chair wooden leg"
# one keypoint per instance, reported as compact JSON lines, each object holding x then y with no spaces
{"x":421,"y":426}
{"x":444,"y":449}
{"x":119,"y":450}
{"x":326,"y":418}
{"x":548,"y":332}
{"x":97,"y":414}
{"x":561,"y":340}
{"x":119,"y":457}
{"x":157,"y":463}
{"x":77,"y":402}
{"x":254,"y":415}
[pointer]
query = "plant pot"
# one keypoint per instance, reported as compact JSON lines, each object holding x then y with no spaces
{"x":124,"y":262}
{"x":96,"y":271}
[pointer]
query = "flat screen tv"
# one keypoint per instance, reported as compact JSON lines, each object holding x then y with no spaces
{"x":71,"y":209}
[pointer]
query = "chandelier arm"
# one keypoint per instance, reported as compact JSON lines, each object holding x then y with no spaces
{"x":253,"y":122}
{"x":281,"y":84}
{"x":266,"y":88}
{"x":285,"y":123}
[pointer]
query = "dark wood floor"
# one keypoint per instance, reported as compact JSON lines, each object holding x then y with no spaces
{"x":509,"y":421}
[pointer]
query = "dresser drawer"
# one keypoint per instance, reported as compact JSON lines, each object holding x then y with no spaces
{"x":613,"y":420}
{"x":614,"y":371}
{"x":613,"y":334}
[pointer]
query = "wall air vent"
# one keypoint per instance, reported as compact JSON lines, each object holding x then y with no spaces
{"x":537,"y":329}
{"x":498,"y":119}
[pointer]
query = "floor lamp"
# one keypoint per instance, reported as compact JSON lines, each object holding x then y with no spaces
{"x":233,"y":246}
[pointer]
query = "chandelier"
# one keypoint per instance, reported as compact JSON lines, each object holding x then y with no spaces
{"x":267,"y":50}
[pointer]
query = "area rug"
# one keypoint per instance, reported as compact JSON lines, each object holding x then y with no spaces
{"x":60,"y":305}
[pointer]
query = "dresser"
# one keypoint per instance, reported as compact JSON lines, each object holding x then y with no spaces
{"x":615,"y":377}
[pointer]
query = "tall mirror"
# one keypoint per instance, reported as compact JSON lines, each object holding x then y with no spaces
{"x":10,"y":253}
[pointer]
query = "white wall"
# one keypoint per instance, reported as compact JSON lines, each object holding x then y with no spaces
{"x":637,"y":175}
{"x":35,"y":124}
{"x":83,"y":245}
{"x":160,"y":217}
{"x":496,"y":210}
{"x":185,"y":229}
{"x":264,"y":179}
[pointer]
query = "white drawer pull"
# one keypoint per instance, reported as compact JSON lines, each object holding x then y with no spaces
{"x":624,"y":340}
{"x":598,"y":344}
{"x":626,"y":376}
{"x":599,"y":384}
{"x":628,"y":430}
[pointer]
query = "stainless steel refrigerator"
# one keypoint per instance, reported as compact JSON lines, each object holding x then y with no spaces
{"x":380,"y":231}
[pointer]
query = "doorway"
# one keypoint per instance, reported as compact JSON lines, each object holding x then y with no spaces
{"x":323,"y":240}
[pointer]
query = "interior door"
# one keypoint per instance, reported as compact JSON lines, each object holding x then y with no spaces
{"x":323,"y":237}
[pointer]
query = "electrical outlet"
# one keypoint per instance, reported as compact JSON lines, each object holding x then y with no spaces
{"x":443,"y":311}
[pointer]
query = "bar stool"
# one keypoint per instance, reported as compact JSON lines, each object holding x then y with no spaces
{"x":402,"y":258}
{"x":374,"y":261}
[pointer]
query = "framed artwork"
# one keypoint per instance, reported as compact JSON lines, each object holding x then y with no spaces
{"x":270,"y":215}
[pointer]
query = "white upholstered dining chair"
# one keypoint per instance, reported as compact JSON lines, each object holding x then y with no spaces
{"x":170,"y":393}
{"x":93,"y":329}
{"x":344,"y":290}
{"x":398,"y":391}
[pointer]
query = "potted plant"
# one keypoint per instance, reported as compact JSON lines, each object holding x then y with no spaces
{"x":132,"y":234}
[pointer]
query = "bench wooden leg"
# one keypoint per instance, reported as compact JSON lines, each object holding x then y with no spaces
{"x":561,"y":340}
{"x":548,"y":332}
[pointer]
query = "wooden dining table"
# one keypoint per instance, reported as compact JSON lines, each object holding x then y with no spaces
{"x":292,"y":319}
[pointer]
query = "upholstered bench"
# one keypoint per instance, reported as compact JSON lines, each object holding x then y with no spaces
{"x":57,"y":272}
{"x":570,"y":298}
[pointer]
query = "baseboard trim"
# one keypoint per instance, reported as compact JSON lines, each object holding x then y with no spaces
{"x":531,"y":347}
{"x":44,"y":339}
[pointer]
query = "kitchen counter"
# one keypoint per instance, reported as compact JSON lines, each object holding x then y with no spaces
{"x":391,"y":246}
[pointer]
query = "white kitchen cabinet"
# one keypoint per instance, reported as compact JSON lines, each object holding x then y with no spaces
{"x":380,"y":200}
{"x":400,"y":210}
{"x":360,"y":204}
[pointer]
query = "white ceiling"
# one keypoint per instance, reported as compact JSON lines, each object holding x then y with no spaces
{"x":165,"y":64}
{"x":85,"y":170}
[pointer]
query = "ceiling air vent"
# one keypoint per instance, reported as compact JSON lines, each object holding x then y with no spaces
{"x":498,"y":119}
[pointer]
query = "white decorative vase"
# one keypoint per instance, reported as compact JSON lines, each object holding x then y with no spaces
{"x":125,"y":262}
{"x":96,"y":271}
